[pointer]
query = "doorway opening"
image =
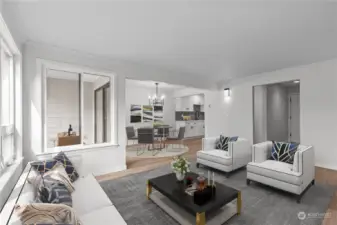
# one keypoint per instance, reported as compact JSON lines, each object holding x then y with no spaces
{"x":276,"y":112}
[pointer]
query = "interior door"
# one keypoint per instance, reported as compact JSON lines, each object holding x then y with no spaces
{"x":294,"y":118}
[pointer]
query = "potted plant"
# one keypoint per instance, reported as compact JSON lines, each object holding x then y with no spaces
{"x":180,"y":167}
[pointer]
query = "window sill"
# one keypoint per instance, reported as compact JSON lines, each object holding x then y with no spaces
{"x":72,"y":148}
{"x":9,"y":170}
{"x":7,"y":176}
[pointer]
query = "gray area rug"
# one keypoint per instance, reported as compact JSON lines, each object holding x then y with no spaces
{"x":262,"y":205}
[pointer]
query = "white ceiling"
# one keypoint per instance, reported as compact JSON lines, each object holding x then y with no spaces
{"x":151,"y":85}
{"x":218,"y":39}
{"x":64,"y":75}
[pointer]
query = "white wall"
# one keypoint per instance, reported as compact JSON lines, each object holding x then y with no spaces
{"x":32,"y":92}
{"x":138,"y":95}
{"x":318,"y":107}
{"x":215,"y":113}
{"x":63,"y":109}
{"x":63,"y":102}
{"x":277,"y":112}
{"x":32,"y":102}
{"x":260,"y":113}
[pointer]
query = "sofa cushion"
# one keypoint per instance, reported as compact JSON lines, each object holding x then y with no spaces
{"x":106,"y":215}
{"x":276,"y":170}
{"x":215,"y":155}
{"x":88,"y":195}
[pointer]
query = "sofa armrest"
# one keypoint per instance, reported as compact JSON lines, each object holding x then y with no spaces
{"x":209,"y":143}
{"x":260,"y":151}
{"x":240,"y":148}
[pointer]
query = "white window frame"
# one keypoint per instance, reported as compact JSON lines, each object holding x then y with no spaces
{"x":14,"y":127}
{"x":43,"y":66}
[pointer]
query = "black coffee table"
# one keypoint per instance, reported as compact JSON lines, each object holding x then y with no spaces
{"x":169,"y":194}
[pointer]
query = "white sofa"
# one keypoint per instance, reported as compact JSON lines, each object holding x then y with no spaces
{"x":238,"y":155}
{"x":90,"y":202}
{"x":294,"y":178}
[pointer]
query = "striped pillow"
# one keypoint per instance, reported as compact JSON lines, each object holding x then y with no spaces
{"x":222,"y":143}
{"x":53,"y":191}
{"x":40,"y":213}
{"x":55,"y":187}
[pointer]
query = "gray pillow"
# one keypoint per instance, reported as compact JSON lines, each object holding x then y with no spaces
{"x":53,"y":191}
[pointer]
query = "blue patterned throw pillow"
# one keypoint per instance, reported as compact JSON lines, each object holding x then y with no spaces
{"x":222,"y":143}
{"x":47,"y":165}
{"x":53,"y":191}
{"x":43,"y":166}
{"x":70,"y":169}
{"x":284,"y":152}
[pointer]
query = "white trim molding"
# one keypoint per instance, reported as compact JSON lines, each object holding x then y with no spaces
{"x":42,"y":68}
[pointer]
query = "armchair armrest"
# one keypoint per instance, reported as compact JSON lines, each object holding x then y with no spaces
{"x":260,"y":152}
{"x":304,"y":159}
{"x":209,"y":143}
{"x":240,"y":148}
{"x":304,"y":163}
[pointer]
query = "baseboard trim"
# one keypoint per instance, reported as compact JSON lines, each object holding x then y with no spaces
{"x":326,"y":167}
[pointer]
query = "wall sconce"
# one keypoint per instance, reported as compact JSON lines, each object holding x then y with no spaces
{"x":227,"y":92}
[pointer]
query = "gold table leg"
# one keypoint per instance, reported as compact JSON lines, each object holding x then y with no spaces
{"x":148,"y":190}
{"x":239,"y":203}
{"x":201,"y":219}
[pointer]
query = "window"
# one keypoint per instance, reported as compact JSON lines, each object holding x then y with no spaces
{"x":7,"y":152}
{"x":77,"y":108}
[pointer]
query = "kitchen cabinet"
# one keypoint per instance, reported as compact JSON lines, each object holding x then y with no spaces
{"x":193,"y":128}
{"x":186,"y":103}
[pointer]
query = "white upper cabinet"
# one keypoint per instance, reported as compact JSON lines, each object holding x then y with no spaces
{"x":186,"y":103}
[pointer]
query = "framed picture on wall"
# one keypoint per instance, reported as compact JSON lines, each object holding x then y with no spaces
{"x":147,"y":113}
{"x":158,"y":113}
{"x":135,"y":114}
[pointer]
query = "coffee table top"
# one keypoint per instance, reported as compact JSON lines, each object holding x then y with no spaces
{"x":175,"y":191}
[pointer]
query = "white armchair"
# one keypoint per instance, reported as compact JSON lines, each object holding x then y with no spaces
{"x":237,"y":156}
{"x":295,"y":178}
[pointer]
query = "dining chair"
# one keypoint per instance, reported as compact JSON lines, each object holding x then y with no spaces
{"x":180,"y":137}
{"x":146,"y":137}
{"x":130,"y":134}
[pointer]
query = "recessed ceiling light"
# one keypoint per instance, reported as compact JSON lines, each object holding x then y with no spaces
{"x":296,"y":81}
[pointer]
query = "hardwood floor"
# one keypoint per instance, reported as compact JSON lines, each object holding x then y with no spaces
{"x":134,"y":165}
{"x":137,"y":165}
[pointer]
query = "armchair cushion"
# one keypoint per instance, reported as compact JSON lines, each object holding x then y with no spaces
{"x":276,"y":170}
{"x":215,"y":155}
{"x":283,"y":152}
